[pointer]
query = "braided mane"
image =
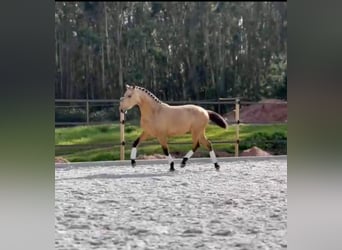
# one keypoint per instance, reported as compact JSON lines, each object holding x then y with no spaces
{"x":149,"y":93}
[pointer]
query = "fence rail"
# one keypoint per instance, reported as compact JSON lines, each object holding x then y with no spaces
{"x":146,"y":143}
{"x":85,"y":107}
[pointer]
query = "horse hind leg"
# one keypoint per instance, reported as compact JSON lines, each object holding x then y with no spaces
{"x":206,"y":143}
{"x":195,"y":146}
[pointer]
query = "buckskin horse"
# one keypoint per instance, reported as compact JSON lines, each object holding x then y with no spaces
{"x":162,"y":121}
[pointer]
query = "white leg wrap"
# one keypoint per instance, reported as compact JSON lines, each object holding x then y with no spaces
{"x":189,"y":154}
{"x":169,"y":157}
{"x":133,"y":153}
{"x":213,"y":156}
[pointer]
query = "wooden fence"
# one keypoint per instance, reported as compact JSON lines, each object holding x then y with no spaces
{"x":220,"y":104}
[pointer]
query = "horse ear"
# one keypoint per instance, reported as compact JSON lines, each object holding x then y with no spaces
{"x":130,"y":86}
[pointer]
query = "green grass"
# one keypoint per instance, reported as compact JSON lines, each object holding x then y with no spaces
{"x":97,"y":143}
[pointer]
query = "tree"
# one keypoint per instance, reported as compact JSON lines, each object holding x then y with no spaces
{"x":178,"y":50}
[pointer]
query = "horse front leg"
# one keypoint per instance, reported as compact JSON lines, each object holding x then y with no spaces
{"x":165,"y":147}
{"x":140,"y":139}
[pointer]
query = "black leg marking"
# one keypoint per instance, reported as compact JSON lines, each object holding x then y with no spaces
{"x":172,"y":164}
{"x":196,"y":147}
{"x":166,"y":152}
{"x":136,"y":142}
{"x":172,"y":167}
{"x":183,"y":162}
{"x":185,"y":159}
{"x":133,"y":163}
{"x":217,"y":167}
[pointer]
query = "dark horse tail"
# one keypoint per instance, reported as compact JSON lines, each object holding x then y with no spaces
{"x":216,"y":118}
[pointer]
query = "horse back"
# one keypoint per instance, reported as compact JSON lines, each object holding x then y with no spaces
{"x":177,"y":120}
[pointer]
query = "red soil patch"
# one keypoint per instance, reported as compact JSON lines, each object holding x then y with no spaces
{"x":266,"y":111}
{"x":59,"y":159}
{"x":254,"y":151}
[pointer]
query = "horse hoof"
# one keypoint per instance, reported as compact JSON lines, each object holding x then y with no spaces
{"x":217,"y":166}
{"x":133,"y":163}
{"x":183,"y":162}
{"x":172,"y":168}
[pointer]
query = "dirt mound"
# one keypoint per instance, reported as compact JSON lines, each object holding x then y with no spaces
{"x":266,"y":111}
{"x":60,"y":159}
{"x":254,"y":151}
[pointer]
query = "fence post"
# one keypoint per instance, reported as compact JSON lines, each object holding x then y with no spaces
{"x":122,"y":136}
{"x":237,"y":128}
{"x":87,"y":107}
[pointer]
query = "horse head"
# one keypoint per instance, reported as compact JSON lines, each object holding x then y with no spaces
{"x":130,"y":98}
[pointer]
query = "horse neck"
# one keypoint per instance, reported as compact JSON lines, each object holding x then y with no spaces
{"x":147,"y":105}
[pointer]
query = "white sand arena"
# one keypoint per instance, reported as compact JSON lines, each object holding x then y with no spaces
{"x":243,"y":206}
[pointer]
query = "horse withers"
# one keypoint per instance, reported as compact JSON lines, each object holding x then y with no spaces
{"x":162,"y":121}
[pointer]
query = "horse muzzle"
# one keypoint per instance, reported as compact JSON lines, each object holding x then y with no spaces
{"x":122,"y":110}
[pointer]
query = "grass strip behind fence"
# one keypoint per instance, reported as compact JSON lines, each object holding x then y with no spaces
{"x":101,"y":142}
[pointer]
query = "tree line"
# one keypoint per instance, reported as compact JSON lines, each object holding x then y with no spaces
{"x":177,"y":50}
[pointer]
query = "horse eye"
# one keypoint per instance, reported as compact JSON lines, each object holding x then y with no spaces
{"x":129,"y":96}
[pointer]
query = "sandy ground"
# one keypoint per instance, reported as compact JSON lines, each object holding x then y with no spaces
{"x":243,"y":206}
